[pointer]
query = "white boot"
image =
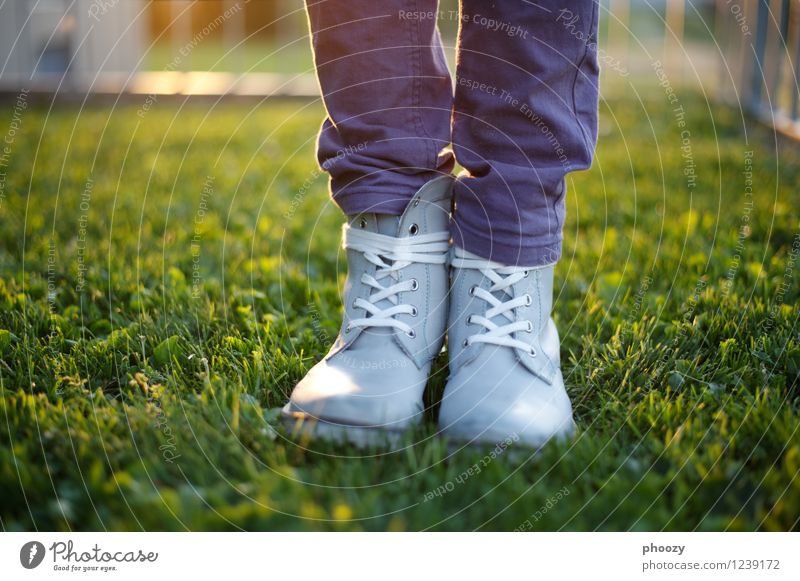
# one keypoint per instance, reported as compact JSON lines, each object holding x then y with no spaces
{"x":370,"y":384}
{"x":505,"y":377}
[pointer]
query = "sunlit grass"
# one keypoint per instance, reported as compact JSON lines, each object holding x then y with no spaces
{"x":146,"y":399}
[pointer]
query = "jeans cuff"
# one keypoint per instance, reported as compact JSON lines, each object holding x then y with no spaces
{"x":517,"y":252}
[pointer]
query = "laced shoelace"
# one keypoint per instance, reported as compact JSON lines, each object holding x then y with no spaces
{"x":391,"y":255}
{"x":503,"y":278}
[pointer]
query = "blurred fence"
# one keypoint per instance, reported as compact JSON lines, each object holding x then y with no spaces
{"x":747,"y":51}
{"x":761,"y":73}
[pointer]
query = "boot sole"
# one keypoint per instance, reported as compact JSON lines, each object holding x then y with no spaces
{"x":515,"y":451}
{"x":304,"y":427}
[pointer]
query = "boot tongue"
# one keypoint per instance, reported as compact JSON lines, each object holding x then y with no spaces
{"x":388,"y":226}
{"x":499,"y":295}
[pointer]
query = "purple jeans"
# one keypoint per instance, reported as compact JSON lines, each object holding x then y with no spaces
{"x":524,"y":113}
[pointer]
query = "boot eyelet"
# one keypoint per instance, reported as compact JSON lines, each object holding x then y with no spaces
{"x":526,"y":273}
{"x":414,"y":311}
{"x":413,"y":229}
{"x":465,"y":343}
{"x":532,"y":352}
{"x":528,"y":300}
{"x":416,"y":202}
{"x":348,"y":328}
{"x":530,"y":328}
{"x":469,"y":320}
{"x":412,"y":333}
{"x":363,"y":222}
{"x":414,"y":284}
{"x":472,"y":290}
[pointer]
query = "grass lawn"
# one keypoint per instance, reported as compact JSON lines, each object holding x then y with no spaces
{"x":166,"y":279}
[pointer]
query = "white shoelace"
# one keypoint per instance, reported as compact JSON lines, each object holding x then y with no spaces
{"x":503,"y":278}
{"x":391,"y":255}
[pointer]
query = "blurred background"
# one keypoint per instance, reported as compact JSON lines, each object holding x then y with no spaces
{"x":745,"y":51}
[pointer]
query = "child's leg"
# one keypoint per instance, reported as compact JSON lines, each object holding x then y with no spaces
{"x":388,"y":96}
{"x":534,"y":120}
{"x":525,"y":115}
{"x":387,"y":92}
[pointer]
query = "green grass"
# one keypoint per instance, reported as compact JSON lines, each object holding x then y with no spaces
{"x":147,"y":399}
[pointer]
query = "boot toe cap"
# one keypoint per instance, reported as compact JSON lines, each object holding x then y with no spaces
{"x":364,"y":398}
{"x":481,"y":409}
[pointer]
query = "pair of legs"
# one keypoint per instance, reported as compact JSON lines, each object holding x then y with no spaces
{"x":523,"y":115}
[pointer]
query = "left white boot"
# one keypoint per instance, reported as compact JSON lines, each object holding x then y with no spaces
{"x":505,"y":377}
{"x":368,"y":389}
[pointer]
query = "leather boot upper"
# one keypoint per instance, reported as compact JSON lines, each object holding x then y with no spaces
{"x":505,"y":378}
{"x":395,"y":314}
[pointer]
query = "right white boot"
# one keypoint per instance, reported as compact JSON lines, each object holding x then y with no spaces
{"x":505,"y":375}
{"x":368,"y":388}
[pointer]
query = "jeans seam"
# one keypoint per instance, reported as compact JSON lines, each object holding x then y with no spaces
{"x":591,"y":37}
{"x":416,"y":88}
